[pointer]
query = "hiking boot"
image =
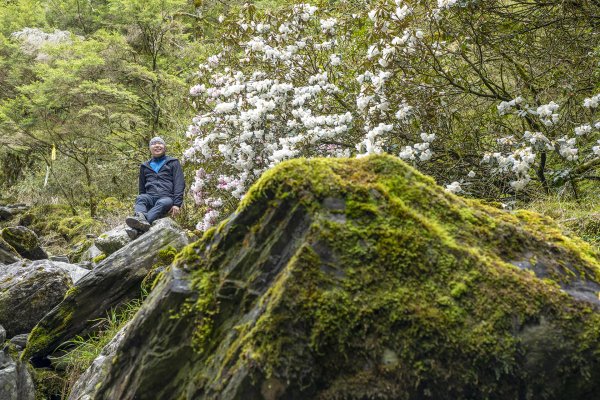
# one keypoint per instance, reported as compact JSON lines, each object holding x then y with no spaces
{"x":139,"y":222}
{"x":132,"y":233}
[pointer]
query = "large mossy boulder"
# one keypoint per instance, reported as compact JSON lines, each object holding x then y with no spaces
{"x":27,"y":292}
{"x":24,"y":241}
{"x":114,"y":282}
{"x":362,"y":279}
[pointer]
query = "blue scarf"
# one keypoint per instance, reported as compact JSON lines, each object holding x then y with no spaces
{"x":157,"y":163}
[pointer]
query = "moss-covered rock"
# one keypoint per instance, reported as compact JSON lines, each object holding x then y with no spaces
{"x":59,"y":227}
{"x":113,"y":283}
{"x":24,"y":241}
{"x":48,"y":383}
{"x":360,"y":278}
{"x":27,"y":292}
{"x":8,"y":254}
{"x":112,"y":240}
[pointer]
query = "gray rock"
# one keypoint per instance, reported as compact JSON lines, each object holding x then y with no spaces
{"x":2,"y":334}
{"x":59,"y":258}
{"x":113,"y":240}
{"x":5,"y":213}
{"x":91,"y":253}
{"x":8,"y":254}
{"x":15,"y":381}
{"x":20,"y":340}
{"x":27,"y":292}
{"x":75,"y":272}
{"x":113,"y":282}
{"x":24,"y":241}
{"x":86,"y":265}
{"x":88,"y":383}
{"x":138,"y":348}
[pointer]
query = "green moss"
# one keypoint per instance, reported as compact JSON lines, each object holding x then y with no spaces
{"x":99,"y":258}
{"x":49,"y":384}
{"x":398,"y":267}
{"x":79,"y":249}
{"x":59,"y":226}
{"x":164,"y":259}
{"x":40,"y":337}
{"x":112,"y":206}
{"x":166,"y":255}
{"x":22,"y":240}
{"x":73,"y":290}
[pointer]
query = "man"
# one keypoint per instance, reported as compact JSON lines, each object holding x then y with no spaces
{"x":161,"y":189}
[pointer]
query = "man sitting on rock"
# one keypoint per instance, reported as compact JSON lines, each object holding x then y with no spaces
{"x":161,"y":189}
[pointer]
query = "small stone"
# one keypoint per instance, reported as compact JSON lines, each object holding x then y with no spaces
{"x":113,"y":240}
{"x":63,"y":258}
{"x":20,"y":340}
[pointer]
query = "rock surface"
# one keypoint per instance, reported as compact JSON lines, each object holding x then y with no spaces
{"x":27,"y":292}
{"x":11,"y":210}
{"x":15,"y":381}
{"x":75,"y":272}
{"x":354,"y":279}
{"x":86,"y":386}
{"x":8,"y":254}
{"x":20,"y":341}
{"x":113,"y":240}
{"x":24,"y":241}
{"x":113,"y":282}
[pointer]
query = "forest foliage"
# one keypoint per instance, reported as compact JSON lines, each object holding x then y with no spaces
{"x":496,"y":99}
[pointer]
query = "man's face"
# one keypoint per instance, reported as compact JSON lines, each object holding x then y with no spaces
{"x":157,"y":149}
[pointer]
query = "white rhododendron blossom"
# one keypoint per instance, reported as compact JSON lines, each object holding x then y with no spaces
{"x":518,"y":164}
{"x":592,"y":102}
{"x":447,"y":3}
{"x":567,"y":148}
{"x":296,"y":84}
{"x":547,"y":113}
{"x":583,"y":130}
{"x":596,"y":149}
{"x":506,"y":106}
{"x":454,"y":187}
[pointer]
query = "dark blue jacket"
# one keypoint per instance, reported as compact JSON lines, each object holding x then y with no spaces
{"x":168,"y":182}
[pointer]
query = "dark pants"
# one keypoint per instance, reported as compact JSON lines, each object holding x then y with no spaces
{"x":153,"y":207}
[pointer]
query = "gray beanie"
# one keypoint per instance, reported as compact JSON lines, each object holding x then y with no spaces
{"x":157,"y":139}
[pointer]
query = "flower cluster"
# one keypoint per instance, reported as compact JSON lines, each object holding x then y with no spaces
{"x":295,"y":84}
{"x":282,"y":99}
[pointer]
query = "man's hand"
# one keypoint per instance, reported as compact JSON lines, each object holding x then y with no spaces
{"x":175,"y":211}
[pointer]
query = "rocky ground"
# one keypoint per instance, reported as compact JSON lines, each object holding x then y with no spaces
{"x":335,"y":279}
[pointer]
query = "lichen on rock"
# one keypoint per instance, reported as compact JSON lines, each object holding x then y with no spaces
{"x":361,"y":278}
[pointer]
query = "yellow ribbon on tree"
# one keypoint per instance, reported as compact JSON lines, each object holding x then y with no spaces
{"x":53,"y":154}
